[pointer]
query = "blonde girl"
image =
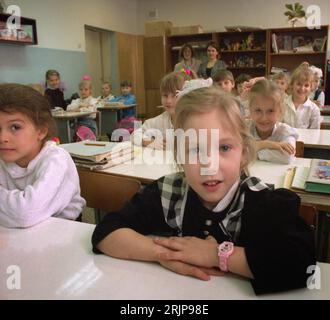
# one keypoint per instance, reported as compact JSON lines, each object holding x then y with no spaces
{"x":275,"y":141}
{"x":300,"y":111}
{"x":215,"y":218}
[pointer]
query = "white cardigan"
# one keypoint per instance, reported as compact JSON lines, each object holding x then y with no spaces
{"x":49,"y":186}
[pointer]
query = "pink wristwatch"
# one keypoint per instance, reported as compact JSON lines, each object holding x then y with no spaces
{"x":225,"y":250}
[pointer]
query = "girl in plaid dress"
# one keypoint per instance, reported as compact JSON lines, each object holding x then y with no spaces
{"x":212,"y":218}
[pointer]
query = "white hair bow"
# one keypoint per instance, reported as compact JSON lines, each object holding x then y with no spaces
{"x":191,"y":85}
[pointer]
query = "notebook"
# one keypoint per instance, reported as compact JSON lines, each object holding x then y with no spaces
{"x":97,"y":151}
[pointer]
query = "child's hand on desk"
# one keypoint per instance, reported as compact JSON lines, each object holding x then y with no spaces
{"x":190,"y":253}
{"x":285,"y":147}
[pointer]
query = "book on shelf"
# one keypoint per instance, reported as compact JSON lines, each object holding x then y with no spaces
{"x":319,"y":44}
{"x":313,"y":179}
{"x":98,"y":151}
{"x":275,"y":70}
{"x":274,"y":43}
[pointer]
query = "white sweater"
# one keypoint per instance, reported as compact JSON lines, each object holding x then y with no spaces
{"x":88,"y":105}
{"x":49,"y":186}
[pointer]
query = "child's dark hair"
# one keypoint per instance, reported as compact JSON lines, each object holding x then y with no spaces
{"x":242,"y":78}
{"x":186,"y":45}
{"x":23,"y":99}
{"x":126,"y":83}
{"x":223,"y":75}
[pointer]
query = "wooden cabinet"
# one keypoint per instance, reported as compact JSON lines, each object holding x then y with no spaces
{"x":289,"y":47}
{"x":25,"y":34}
{"x":244,"y":52}
{"x":259,"y":58}
{"x":155,"y":68}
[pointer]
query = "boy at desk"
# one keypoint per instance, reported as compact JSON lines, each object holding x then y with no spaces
{"x":126,"y":98}
{"x":215,"y":218}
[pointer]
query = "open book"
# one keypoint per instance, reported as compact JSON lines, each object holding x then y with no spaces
{"x":98,"y":151}
{"x":313,"y":179}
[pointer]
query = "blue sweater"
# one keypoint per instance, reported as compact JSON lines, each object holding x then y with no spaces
{"x":126,"y":100}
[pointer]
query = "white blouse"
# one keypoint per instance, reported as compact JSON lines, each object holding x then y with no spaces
{"x":306,"y":116}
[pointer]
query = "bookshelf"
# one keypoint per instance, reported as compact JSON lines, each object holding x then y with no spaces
{"x":25,"y":35}
{"x":289,"y":47}
{"x":263,"y":57}
{"x":244,"y":52}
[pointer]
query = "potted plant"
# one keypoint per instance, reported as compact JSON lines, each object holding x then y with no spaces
{"x":296,"y":12}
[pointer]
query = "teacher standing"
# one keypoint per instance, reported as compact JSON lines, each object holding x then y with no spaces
{"x":213,"y":65}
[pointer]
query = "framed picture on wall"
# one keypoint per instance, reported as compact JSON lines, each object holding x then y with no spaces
{"x":25,"y":34}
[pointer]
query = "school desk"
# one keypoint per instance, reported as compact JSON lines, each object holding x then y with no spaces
{"x":110,"y":115}
{"x":316,"y":143}
{"x":63,"y":119}
{"x":325,"y":110}
{"x":325,"y":122}
{"x":147,"y":166}
{"x":54,"y":260}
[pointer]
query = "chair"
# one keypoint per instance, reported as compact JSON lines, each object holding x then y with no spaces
{"x":300,"y":146}
{"x":309,"y":214}
{"x":106,"y":192}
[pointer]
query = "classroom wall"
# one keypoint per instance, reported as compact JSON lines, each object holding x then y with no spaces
{"x":214,"y":15}
{"x":61,"y":37}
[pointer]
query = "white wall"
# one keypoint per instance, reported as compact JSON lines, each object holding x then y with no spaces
{"x":214,"y":15}
{"x":60,"y":23}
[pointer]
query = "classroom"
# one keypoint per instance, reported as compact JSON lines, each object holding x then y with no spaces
{"x":164,"y":150}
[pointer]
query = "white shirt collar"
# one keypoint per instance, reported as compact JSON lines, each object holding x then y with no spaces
{"x":224,"y":202}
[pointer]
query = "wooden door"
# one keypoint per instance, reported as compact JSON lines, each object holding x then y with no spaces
{"x":94,"y":59}
{"x":131,"y":65}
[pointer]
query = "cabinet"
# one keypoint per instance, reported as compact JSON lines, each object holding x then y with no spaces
{"x":252,"y":52}
{"x":289,"y":47}
{"x":155,"y":68}
{"x":244,"y":52}
{"x":25,"y":34}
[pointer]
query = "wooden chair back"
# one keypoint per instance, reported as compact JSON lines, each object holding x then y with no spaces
{"x":309,"y":214}
{"x":105,"y":191}
{"x":300,"y":149}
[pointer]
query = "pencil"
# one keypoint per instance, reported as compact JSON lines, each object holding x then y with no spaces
{"x":95,"y":144}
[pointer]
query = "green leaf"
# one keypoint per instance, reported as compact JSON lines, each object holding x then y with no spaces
{"x":289,"y":6}
{"x":288,"y":13}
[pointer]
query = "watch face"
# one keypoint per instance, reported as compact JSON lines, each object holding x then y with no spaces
{"x":226,"y":247}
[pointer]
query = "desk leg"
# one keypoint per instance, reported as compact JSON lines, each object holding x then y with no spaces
{"x":323,"y":229}
{"x":109,"y":119}
{"x":63,"y":128}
